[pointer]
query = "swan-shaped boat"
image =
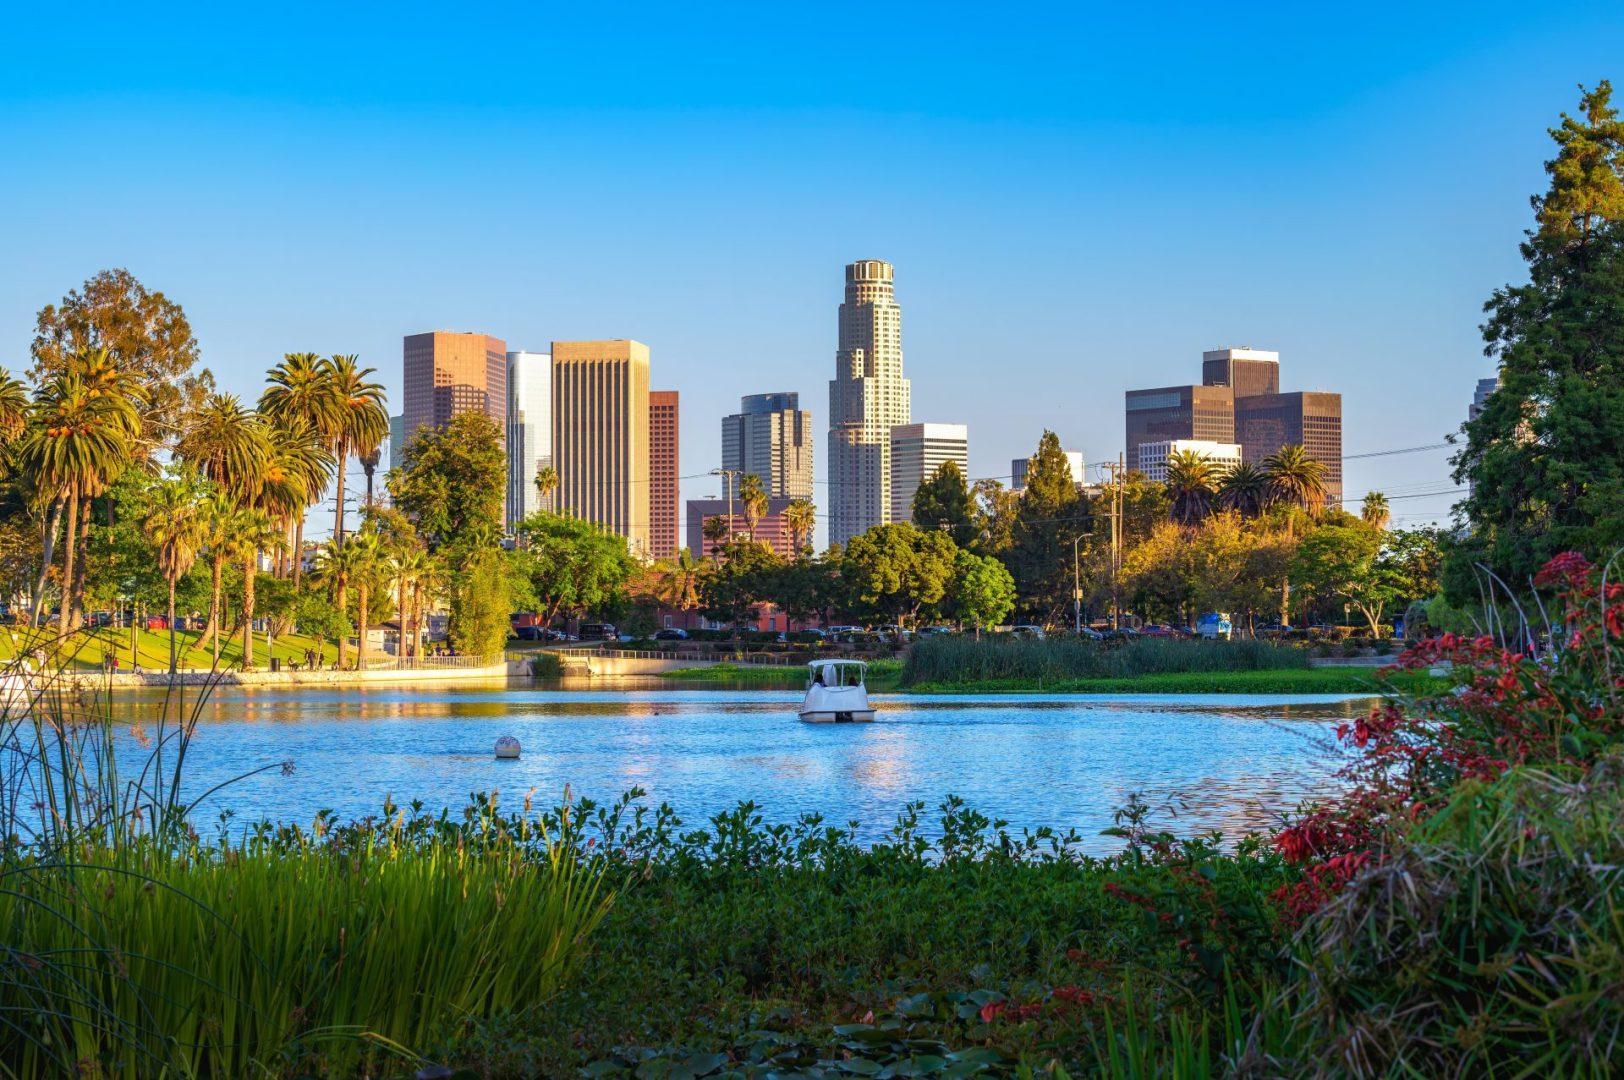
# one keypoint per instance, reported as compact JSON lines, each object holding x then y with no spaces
{"x":836,"y":693}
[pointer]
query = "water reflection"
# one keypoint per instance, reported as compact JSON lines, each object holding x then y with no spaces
{"x":1228,"y":763}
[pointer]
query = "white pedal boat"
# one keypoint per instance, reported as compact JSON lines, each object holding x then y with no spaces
{"x":836,"y":694}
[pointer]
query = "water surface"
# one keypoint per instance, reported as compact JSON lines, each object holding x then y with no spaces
{"x":1228,"y":762}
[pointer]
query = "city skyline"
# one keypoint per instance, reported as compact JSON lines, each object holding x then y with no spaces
{"x":1384,"y":117}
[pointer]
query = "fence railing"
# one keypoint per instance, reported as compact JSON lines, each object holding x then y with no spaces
{"x":430,"y":663}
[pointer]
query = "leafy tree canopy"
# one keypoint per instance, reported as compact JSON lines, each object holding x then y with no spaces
{"x":943,"y":502}
{"x":452,"y":481}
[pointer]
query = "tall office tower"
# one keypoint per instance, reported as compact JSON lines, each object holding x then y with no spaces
{"x":1485,"y":387}
{"x":662,"y":473}
{"x":1311,"y":419}
{"x":1179,"y":412}
{"x":771,"y":436}
{"x":600,"y":435}
{"x":867,"y":398}
{"x":529,"y":431}
{"x":1153,"y":456}
{"x":917,"y":451}
{"x":1248,"y":372}
{"x":448,"y":373}
{"x":1018,"y":467}
{"x":397,"y":440}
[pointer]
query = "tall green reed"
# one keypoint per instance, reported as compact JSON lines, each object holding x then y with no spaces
{"x":951,"y":660}
{"x":129,"y":947}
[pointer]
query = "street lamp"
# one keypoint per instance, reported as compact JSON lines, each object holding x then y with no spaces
{"x":1076,"y":590}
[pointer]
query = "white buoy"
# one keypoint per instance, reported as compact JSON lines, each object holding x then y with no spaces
{"x":507,"y":747}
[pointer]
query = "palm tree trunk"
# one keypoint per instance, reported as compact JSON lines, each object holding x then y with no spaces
{"x":400,"y":621}
{"x":53,"y":521}
{"x":343,"y":638}
{"x":249,"y":566}
{"x":171,"y":626}
{"x":67,"y":559}
{"x":338,"y":505}
{"x":212,"y":631}
{"x":298,"y":549}
{"x":361,"y":639}
{"x":77,"y":608}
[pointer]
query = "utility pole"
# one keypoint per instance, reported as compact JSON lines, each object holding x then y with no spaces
{"x":1076,"y":589}
{"x":727,"y":476}
{"x":1115,"y":470}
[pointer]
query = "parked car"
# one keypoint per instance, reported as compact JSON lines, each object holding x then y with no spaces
{"x":531,"y":633}
{"x":1027,"y":630}
{"x":1158,"y":630}
{"x":599,"y":632}
{"x":672,"y":633}
{"x":810,"y":634}
{"x":1273,"y":628}
{"x":1088,"y":633}
{"x":156,"y":622}
{"x":1214,"y":625}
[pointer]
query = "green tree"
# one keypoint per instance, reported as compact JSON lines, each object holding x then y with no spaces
{"x":361,"y":422}
{"x":480,"y":600}
{"x":175,"y":526}
{"x":982,"y":594}
{"x":807,"y":588}
{"x":1296,"y":479}
{"x":730,"y":589}
{"x":255,"y":532}
{"x":1050,"y":516}
{"x":1245,"y":490}
{"x":228,"y":445}
{"x":715,"y":529}
{"x":1545,"y":456}
{"x":896,"y":569}
{"x":145,"y":335}
{"x":13,"y":408}
{"x":753,"y":501}
{"x":993,"y":515}
{"x":574,"y":566}
{"x":546,"y":484}
{"x":452,"y":481}
{"x":1374,"y":510}
{"x":800,"y":518}
{"x":368,"y":571}
{"x":299,"y":396}
{"x":1343,"y":562}
{"x":943,"y":502}
{"x":1191,"y":486}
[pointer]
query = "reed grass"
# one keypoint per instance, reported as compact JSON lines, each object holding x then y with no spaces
{"x":1035,"y":664}
{"x":130,"y":947}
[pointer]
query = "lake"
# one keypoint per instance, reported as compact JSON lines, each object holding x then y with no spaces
{"x":1233,"y":763}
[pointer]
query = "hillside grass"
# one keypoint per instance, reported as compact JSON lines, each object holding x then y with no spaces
{"x":84,"y":650}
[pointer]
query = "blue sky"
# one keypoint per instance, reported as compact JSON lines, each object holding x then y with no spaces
{"x":1078,"y":200}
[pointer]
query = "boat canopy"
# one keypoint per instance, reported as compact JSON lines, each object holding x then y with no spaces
{"x":836,"y":663}
{"x":836,"y":672}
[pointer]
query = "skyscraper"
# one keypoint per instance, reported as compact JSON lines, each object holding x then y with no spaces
{"x":448,"y":373}
{"x":771,"y":436}
{"x":917,"y":451}
{"x":1480,"y":397}
{"x":1249,"y":372}
{"x":1018,"y":467}
{"x":867,"y":398}
{"x":662,"y":473}
{"x":1311,"y":419}
{"x":529,"y":430}
{"x":1153,"y":457}
{"x":1179,"y":412}
{"x":601,"y":437}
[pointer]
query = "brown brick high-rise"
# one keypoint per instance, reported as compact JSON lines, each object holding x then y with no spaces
{"x":662,"y":473}
{"x":448,"y":373}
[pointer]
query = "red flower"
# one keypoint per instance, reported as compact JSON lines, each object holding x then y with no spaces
{"x":990,"y":1011}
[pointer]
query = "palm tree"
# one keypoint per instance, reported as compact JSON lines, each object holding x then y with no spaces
{"x":1245,"y":490}
{"x":1297,"y":479}
{"x":297,"y":463}
{"x":13,"y":407}
{"x":78,"y":445}
{"x":410,"y":563}
{"x":218,"y":516}
{"x":1190,"y":486}
{"x":360,"y":423}
{"x":300,"y":393}
{"x":800,"y":516}
{"x":678,"y":586}
{"x":367,"y":565}
{"x":1374,"y":510}
{"x":175,"y":525}
{"x":256,"y":532}
{"x":715,"y":530}
{"x":546,"y":484}
{"x":228,"y":445}
{"x":753,"y":500}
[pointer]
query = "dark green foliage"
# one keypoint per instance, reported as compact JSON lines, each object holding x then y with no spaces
{"x":731,"y":587}
{"x":480,"y":601}
{"x":451,"y":482}
{"x":949,"y":660}
{"x":943,"y":502}
{"x":1050,"y":515}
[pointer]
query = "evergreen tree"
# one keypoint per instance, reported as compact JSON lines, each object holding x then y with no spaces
{"x":943,"y":502}
{"x":1052,"y":513}
{"x":1545,"y":457}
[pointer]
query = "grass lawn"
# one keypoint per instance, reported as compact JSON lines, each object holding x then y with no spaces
{"x":85,"y":649}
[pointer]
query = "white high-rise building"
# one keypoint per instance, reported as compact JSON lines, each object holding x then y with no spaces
{"x":529,"y":429}
{"x":1153,"y":456}
{"x":867,"y":398}
{"x":917,"y":451}
{"x":771,"y":436}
